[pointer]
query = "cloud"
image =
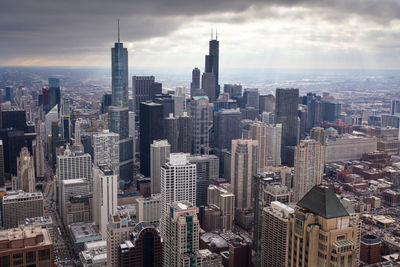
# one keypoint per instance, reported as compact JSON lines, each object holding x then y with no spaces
{"x":81,"y":32}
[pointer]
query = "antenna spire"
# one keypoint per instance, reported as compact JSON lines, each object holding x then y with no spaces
{"x":211,"y":33}
{"x":216,"y":33}
{"x":118,"y":30}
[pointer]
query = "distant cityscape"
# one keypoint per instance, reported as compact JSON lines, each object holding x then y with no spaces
{"x":207,"y":167}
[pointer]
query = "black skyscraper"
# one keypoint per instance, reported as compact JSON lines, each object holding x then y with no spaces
{"x":54,"y":93}
{"x":212,"y":62}
{"x":286,"y":112}
{"x":150,"y":129}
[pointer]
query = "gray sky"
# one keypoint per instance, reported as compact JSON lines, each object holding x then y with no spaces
{"x":175,"y":33}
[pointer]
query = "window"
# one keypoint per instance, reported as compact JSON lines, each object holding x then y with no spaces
{"x":44,"y":254}
{"x":5,"y":261}
{"x":30,"y":256}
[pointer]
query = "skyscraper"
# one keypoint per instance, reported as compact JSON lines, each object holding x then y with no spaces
{"x":178,"y":183}
{"x":287,"y":101}
{"x":274,"y":234}
{"x":104,"y":197}
{"x":243,"y":167}
{"x":106,"y":150}
{"x":65,"y":116}
{"x":212,"y":62}
{"x":320,"y":233}
{"x":185,"y":130}
{"x":69,"y":189}
{"x":144,"y":248}
{"x":314,"y":113}
{"x":141,"y":88}
{"x":118,"y":117}
{"x":269,"y":142}
{"x":170,"y":131}
{"x":54,"y":93}
{"x":195,"y":84}
{"x":252,"y":98}
{"x":159,"y":153}
{"x":150,"y":122}
{"x":226,"y":127}
{"x":234,"y":90}
{"x":182,"y":235}
{"x":208,"y":85}
{"x":25,"y":179}
{"x":2,"y":177}
{"x":207,"y":170}
{"x":308,"y":167}
{"x":222,"y":197}
{"x":200,"y":114}
{"x":331,"y":110}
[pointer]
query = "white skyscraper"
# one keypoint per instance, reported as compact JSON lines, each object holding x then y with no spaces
{"x":178,"y":183}
{"x":106,"y":150}
{"x":74,"y":165}
{"x":105,"y":185}
{"x":159,"y":153}
{"x":308,"y":167}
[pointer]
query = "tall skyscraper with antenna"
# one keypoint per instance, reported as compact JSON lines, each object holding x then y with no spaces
{"x":212,"y":61}
{"x":118,"y":116}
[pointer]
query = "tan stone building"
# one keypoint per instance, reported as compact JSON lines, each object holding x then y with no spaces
{"x":321,"y":233}
{"x":26,"y":246}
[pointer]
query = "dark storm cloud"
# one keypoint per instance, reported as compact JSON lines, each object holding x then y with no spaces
{"x":36,"y":27}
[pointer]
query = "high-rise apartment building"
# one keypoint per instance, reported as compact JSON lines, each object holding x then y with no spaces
{"x":178,"y":183}
{"x":181,"y":235}
{"x":308,"y":167}
{"x":222,"y":197}
{"x":143,"y":249}
{"x":269,"y":142}
{"x":286,"y":111}
{"x":266,"y":188}
{"x":320,"y":233}
{"x":212,"y":62}
{"x":106,"y":150}
{"x":318,"y":133}
{"x":26,"y":246}
{"x":207,"y":170}
{"x":159,"y":153}
{"x":200,"y":115}
{"x":105,"y":189}
{"x":118,"y":112}
{"x":226,"y":127}
{"x":150,"y":122}
{"x":243,"y":167}
{"x":18,"y":206}
{"x":274,"y":234}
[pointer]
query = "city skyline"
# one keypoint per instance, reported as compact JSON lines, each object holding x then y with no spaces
{"x":344,"y":34}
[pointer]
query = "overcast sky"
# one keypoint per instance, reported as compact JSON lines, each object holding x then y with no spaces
{"x":174,"y":33}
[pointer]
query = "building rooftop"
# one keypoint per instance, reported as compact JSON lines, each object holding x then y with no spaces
{"x":322,"y":201}
{"x":83,"y":231}
{"x":40,"y":236}
{"x":21,"y":195}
